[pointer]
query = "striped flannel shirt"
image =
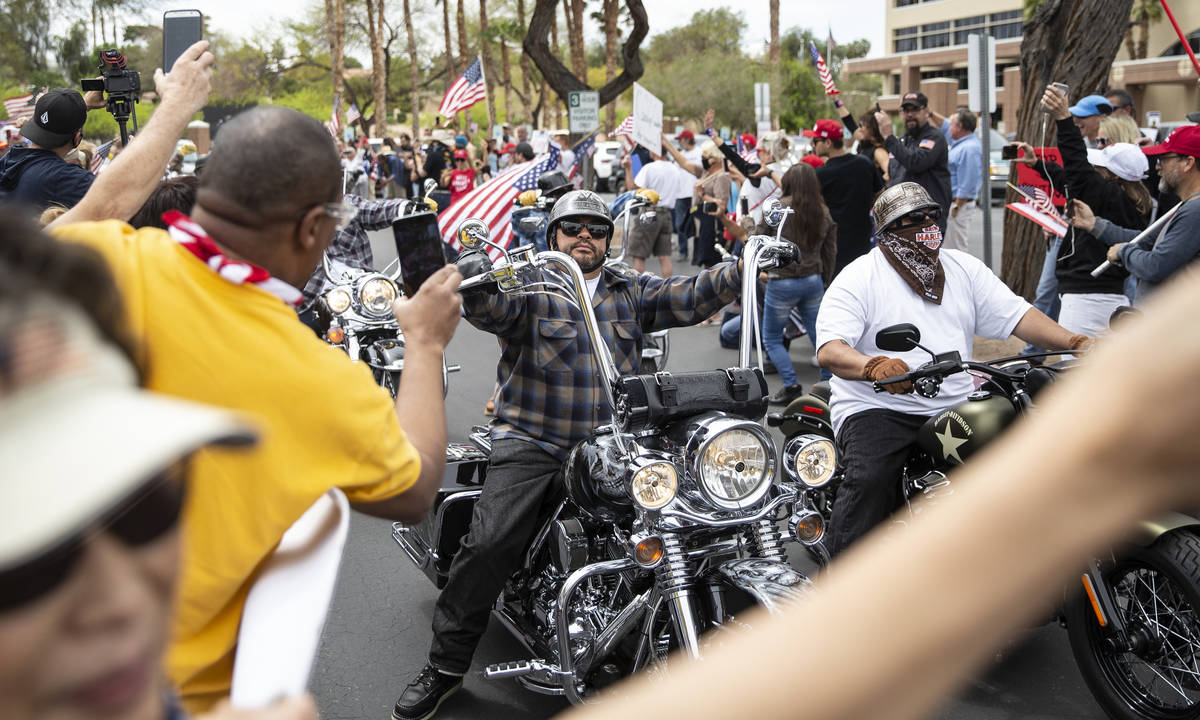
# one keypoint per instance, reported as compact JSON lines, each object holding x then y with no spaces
{"x":350,"y":245}
{"x":550,"y":391}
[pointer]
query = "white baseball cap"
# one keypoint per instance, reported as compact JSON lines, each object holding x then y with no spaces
{"x":1125,"y":160}
{"x":77,"y":436}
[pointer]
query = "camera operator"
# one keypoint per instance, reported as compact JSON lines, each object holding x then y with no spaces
{"x":40,"y":175}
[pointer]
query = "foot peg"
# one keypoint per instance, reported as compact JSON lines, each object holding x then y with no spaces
{"x":519,"y":668}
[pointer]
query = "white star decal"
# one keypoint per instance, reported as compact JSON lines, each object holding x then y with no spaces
{"x":950,"y":443}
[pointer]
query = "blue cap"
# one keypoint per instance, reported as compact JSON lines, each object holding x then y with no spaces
{"x":1091,"y":105}
{"x":461,"y":140}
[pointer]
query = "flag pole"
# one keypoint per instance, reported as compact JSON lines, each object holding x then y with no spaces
{"x":1187,"y":47}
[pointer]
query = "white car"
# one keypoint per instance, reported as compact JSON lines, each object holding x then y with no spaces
{"x":606,"y":164}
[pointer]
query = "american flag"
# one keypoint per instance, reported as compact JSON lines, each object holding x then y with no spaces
{"x":352,"y":114}
{"x":583,"y":148}
{"x":19,"y":108}
{"x":467,"y":90}
{"x":99,"y":156}
{"x":492,"y":201}
{"x":823,"y":70}
{"x":1038,"y":198}
{"x":335,"y":123}
{"x":625,"y":128}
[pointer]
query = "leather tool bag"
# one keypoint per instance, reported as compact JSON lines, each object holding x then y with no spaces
{"x":656,"y":400}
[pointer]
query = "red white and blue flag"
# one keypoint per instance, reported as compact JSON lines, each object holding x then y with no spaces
{"x":492,"y":202}
{"x":335,"y":123}
{"x":99,"y":156}
{"x":19,"y":108}
{"x":823,"y":70}
{"x":583,"y":148}
{"x":1037,"y":206}
{"x":352,"y":114}
{"x":467,"y":90}
{"x":625,"y":128}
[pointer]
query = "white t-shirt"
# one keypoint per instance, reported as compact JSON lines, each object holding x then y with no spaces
{"x":670,"y":181}
{"x":693,"y":156}
{"x":756,"y":196}
{"x":869,"y":295}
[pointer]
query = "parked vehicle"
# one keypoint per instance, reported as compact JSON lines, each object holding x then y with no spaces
{"x":669,"y":528}
{"x":606,"y":164}
{"x":1133,"y":626}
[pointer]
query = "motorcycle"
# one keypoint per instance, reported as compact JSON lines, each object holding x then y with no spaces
{"x":1133,"y":627}
{"x":355,"y":314}
{"x":669,"y":528}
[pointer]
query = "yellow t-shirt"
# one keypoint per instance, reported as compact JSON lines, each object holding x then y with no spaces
{"x":323,"y":423}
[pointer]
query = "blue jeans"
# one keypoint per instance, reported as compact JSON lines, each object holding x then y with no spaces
{"x":1046,"y":296}
{"x":783,"y":294}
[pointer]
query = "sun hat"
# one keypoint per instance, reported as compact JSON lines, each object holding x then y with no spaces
{"x":1125,"y":160}
{"x":78,"y":436}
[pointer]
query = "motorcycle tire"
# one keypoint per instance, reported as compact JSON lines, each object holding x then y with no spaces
{"x":1157,"y":591}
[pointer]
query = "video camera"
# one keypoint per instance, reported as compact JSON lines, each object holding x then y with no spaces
{"x":121,"y":88}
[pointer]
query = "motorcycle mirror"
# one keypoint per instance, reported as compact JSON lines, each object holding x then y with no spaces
{"x":773,"y":212}
{"x":472,"y":233}
{"x":430,"y":185}
{"x":393,"y":276}
{"x":530,"y":225}
{"x":898,"y":338}
{"x":647,"y":217}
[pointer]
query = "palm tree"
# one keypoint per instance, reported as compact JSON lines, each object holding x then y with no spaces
{"x":379,"y":69}
{"x":414,"y":75}
{"x":1144,"y":13}
{"x":773,"y":58}
{"x":611,"y":33}
{"x":487,"y":65}
{"x":335,"y":30}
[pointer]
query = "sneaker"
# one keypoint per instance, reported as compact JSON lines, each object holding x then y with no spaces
{"x":421,"y":699}
{"x":785,"y":395}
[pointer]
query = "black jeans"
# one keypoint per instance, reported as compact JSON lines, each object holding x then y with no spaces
{"x":871,"y":446}
{"x":521,"y":489}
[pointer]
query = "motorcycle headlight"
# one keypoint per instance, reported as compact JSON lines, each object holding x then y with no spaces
{"x":654,"y":485}
{"x":377,"y":296}
{"x":810,"y":460}
{"x":338,"y":300}
{"x":734,"y":464}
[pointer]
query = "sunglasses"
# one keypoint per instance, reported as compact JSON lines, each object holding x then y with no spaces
{"x":919,"y":217}
{"x":598,"y":231}
{"x":140,"y":520}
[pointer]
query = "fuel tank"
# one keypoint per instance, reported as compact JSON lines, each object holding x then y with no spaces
{"x":953,"y":435}
{"x":595,"y":478}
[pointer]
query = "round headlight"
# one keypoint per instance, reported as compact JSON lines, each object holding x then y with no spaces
{"x":734,"y":466}
{"x":654,"y":485}
{"x":810,"y":459}
{"x":338,"y":300}
{"x":377,"y":296}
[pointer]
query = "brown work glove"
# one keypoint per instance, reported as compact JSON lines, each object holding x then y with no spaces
{"x":882,"y":366}
{"x":1080,"y":342}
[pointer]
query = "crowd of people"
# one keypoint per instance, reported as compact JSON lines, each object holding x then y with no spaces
{"x":141,"y":322}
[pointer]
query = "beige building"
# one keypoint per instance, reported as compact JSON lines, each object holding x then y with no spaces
{"x":925,"y":41}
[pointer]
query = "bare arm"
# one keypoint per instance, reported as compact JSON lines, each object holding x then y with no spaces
{"x":678,"y":156}
{"x":428,"y":321}
{"x":842,"y":360}
{"x":120,"y":190}
{"x":1038,"y":329}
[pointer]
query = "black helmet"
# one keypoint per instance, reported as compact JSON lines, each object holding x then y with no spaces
{"x":578,"y":203}
{"x":553,"y":184}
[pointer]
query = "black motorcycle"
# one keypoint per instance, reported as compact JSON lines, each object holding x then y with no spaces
{"x":671,"y":523}
{"x":1133,"y":626}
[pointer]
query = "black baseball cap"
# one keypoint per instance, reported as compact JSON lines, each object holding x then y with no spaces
{"x":915,"y":98}
{"x":57,"y":116}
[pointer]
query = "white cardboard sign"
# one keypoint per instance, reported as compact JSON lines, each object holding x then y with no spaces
{"x":647,"y":119}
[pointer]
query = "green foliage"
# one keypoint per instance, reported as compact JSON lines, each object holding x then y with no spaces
{"x":101,"y":127}
{"x":709,"y":31}
{"x":24,"y":37}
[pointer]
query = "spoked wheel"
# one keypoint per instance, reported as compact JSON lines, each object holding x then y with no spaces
{"x":1157,"y":594}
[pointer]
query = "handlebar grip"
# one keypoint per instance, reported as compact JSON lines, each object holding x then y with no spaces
{"x":879,"y":384}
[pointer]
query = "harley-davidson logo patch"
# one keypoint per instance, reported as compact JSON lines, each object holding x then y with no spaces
{"x":930,"y":237}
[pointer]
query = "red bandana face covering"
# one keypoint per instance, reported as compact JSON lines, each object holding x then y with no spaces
{"x":196,"y":241}
{"x":917,"y":261}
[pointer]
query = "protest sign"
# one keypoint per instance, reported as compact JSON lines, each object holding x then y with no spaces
{"x":647,"y":119}
{"x":1026,"y":175}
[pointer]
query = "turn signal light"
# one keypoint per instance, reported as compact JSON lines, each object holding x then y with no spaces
{"x":336,"y":335}
{"x":649,"y":551}
{"x":807,"y":527}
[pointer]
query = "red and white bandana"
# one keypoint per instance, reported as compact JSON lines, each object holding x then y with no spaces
{"x":196,"y":241}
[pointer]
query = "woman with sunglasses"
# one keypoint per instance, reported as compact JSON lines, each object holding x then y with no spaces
{"x":94,"y":472}
{"x":950,"y":296}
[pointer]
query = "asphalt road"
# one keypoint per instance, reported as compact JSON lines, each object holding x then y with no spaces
{"x":378,"y":631}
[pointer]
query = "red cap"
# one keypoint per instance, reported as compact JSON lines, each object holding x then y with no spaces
{"x":748,"y":140}
{"x":1183,"y":141}
{"x":685,"y":135}
{"x":461,"y":155}
{"x":828,"y":129}
{"x":509,"y":148}
{"x":813,"y":160}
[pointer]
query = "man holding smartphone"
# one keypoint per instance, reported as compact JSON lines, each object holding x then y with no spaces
{"x":549,"y":400}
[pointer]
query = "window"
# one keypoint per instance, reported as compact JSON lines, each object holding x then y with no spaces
{"x":1007,"y":30}
{"x":971,"y":21}
{"x":906,"y":3}
{"x":1009,"y":15}
{"x":959,"y":74}
{"x":906,"y":45}
{"x":935,"y":40}
{"x":895,"y":84}
{"x":930,"y":27}
{"x":900,"y":32}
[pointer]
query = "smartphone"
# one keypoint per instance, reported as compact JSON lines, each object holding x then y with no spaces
{"x":1009,"y":152}
{"x":181,"y":30}
{"x":420,"y":249}
{"x":1066,"y":91}
{"x":710,"y":207}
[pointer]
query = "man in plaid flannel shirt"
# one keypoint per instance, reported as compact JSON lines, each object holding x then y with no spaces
{"x":549,"y":400}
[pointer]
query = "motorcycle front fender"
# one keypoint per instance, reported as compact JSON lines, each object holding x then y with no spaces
{"x":1151,"y":530}
{"x":771,"y":583}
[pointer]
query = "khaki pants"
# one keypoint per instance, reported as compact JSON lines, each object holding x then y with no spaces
{"x":958,"y":224}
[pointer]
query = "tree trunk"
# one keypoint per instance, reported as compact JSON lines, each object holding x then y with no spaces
{"x":451,"y":66}
{"x":486,"y":54}
{"x":506,"y":77}
{"x":526,"y":69}
{"x":561,"y":79}
{"x":1143,"y":39}
{"x":1130,"y":46}
{"x":611,"y":12}
{"x":773,"y":62}
{"x":575,"y":31}
{"x":464,"y":55}
{"x":1062,"y":43}
{"x":379,"y":67}
{"x":414,"y":75}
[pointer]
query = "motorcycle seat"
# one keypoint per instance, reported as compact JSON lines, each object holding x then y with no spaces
{"x":821,"y":391}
